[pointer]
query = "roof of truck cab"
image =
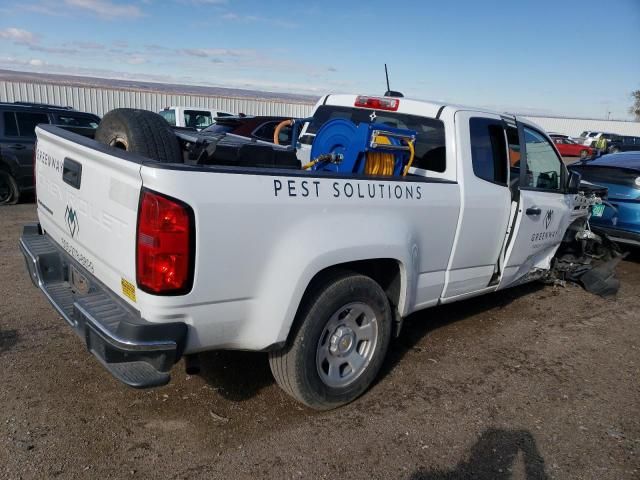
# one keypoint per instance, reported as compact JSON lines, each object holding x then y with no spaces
{"x":412,"y":106}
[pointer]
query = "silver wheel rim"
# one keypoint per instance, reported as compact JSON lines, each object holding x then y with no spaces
{"x":347,"y":344}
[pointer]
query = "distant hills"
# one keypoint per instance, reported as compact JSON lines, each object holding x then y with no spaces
{"x":80,"y":81}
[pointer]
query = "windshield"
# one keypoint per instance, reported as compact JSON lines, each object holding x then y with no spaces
{"x":430,"y":142}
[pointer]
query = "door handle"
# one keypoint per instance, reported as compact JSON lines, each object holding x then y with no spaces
{"x":17,"y":146}
{"x":534,"y":211}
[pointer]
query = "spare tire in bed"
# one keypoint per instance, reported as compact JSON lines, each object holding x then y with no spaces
{"x":139,"y":131}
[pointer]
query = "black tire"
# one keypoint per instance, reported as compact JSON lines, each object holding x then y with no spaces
{"x":296,"y":367}
{"x":9,"y":192}
{"x":139,"y":131}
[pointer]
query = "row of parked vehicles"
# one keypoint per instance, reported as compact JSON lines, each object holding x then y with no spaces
{"x":620,"y":174}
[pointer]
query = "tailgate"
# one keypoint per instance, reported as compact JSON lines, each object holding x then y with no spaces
{"x":88,"y":202}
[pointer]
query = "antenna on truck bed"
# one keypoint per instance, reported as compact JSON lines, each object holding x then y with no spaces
{"x":389,"y":92}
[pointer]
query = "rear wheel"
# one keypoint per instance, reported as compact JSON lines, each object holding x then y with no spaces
{"x":9,"y":192}
{"x":338,"y":343}
{"x":139,"y":131}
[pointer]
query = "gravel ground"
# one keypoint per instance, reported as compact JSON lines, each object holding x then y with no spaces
{"x":534,"y":382}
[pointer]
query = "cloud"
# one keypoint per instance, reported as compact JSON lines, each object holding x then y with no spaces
{"x":12,"y":61}
{"x":87,"y":45}
{"x":19,"y":36}
{"x":30,"y":40}
{"x":216,"y":52}
{"x":47,"y":49}
{"x":276,"y":22}
{"x":204,"y":2}
{"x":136,"y":60}
{"x":105,"y":8}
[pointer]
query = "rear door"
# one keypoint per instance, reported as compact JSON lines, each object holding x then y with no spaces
{"x":544,"y":206}
{"x":19,"y":139}
{"x":483,"y":159}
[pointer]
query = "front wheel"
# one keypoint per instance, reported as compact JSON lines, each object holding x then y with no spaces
{"x":338,"y":343}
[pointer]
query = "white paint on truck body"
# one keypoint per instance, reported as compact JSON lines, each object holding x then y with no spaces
{"x":261,"y":236}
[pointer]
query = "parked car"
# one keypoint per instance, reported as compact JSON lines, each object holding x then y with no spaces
{"x":592,"y":138}
{"x":315,"y":264}
{"x":255,"y":127}
{"x":192,"y":117}
{"x":17,"y":137}
{"x":624,"y":143}
{"x":620,"y":173}
{"x":569,"y":148}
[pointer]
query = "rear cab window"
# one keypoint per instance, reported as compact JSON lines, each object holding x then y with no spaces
{"x":197,"y":118}
{"x":430,"y":150}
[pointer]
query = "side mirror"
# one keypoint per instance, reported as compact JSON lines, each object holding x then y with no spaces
{"x":574,"y":182}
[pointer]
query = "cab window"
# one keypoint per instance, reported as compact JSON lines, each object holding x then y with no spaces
{"x":430,"y":139}
{"x":488,"y":150}
{"x":544,"y":168}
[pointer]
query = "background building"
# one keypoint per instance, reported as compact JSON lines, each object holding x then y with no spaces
{"x":101,"y":95}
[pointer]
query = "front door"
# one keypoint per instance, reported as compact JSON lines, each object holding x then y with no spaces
{"x":544,"y":206}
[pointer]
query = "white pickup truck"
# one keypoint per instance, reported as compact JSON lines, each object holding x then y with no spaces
{"x":151,"y":258}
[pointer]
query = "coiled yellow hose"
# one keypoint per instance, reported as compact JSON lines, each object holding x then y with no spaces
{"x":380,"y":163}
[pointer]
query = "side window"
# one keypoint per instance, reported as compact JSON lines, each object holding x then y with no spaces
{"x":77,"y":121}
{"x":544,"y":168}
{"x":169,"y":116}
{"x":10,"y":125}
{"x":27,"y":122}
{"x":488,"y":150}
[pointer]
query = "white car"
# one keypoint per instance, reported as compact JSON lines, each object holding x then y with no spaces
{"x":591,"y":138}
{"x":192,"y":117}
{"x":150,"y":259}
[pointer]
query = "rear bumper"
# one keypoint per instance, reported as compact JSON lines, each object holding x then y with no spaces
{"x":136,"y":352}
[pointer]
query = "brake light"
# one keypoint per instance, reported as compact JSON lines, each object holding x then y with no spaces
{"x":165,"y":247}
{"x":378,"y":103}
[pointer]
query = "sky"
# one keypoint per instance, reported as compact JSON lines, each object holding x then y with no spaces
{"x":561,"y":57}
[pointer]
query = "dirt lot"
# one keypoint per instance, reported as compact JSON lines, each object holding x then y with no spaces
{"x":535,"y":382}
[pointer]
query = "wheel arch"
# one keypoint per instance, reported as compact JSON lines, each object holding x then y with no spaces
{"x":389,"y":273}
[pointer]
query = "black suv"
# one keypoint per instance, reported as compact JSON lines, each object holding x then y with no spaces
{"x":624,"y":143}
{"x":17,"y":139}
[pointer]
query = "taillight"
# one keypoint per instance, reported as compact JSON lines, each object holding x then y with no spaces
{"x":165,"y":247}
{"x":378,"y":103}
